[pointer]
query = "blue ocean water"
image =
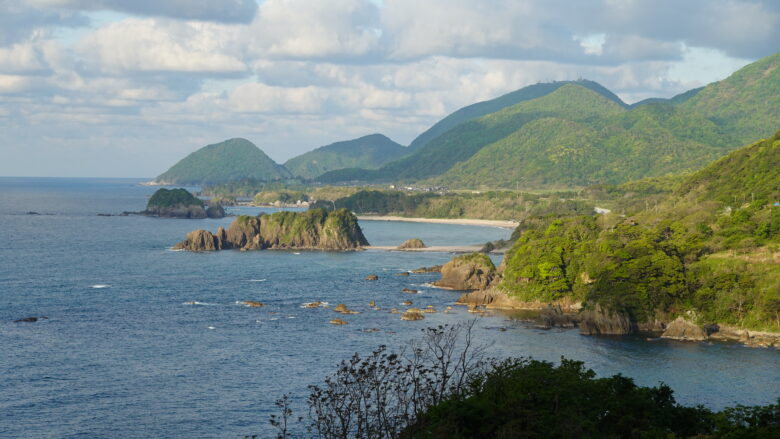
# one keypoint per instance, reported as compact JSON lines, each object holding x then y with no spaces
{"x":122,"y":354}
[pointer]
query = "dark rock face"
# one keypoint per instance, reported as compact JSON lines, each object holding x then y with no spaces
{"x":554,"y":317}
{"x":468,"y":272}
{"x":215,"y":211}
{"x":188,"y":212}
{"x":681,"y":329}
{"x":311,"y":230}
{"x":434,"y":269}
{"x":601,"y":321}
{"x":199,"y":241}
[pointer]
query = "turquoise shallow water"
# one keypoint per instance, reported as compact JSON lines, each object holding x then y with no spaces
{"x":131,"y":359}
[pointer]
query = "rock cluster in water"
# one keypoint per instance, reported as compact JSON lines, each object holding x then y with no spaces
{"x":315,"y":229}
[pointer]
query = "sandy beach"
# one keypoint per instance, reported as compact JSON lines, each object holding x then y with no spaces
{"x":461,"y":221}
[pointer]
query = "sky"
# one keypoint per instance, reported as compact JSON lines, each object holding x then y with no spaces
{"x":125,"y":88}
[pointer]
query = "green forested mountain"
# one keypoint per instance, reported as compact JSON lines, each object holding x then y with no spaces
{"x":708,"y":248}
{"x":609,"y":147}
{"x":746,"y":104}
{"x":571,"y":101}
{"x":231,"y":160}
{"x":567,"y":134}
{"x":483,"y":108}
{"x":366,"y":152}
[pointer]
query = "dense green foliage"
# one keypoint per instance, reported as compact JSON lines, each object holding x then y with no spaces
{"x":747,"y":175}
{"x":497,"y":205}
{"x":366,"y":152}
{"x":520,"y":398}
{"x":607,"y":147}
{"x":231,"y":160}
{"x":693,"y":250}
{"x":282,"y":196}
{"x":480,"y":109}
{"x":442,"y":386}
{"x":746,"y":104}
{"x":172,"y":198}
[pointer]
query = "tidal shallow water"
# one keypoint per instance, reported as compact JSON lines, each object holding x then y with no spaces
{"x":122,"y":354}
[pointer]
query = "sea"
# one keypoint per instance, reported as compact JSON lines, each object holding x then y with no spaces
{"x":140,"y":341}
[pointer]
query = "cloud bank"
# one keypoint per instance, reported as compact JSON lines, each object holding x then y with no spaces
{"x":125,"y":88}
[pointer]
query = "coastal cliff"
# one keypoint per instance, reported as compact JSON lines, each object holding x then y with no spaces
{"x":311,"y":230}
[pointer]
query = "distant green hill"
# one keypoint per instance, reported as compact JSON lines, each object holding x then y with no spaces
{"x":480,"y":109}
{"x":745,"y":104}
{"x":578,"y":133}
{"x":570,"y":100}
{"x":231,"y":160}
{"x":605,"y":147}
{"x":366,"y":152}
{"x":746,"y":175}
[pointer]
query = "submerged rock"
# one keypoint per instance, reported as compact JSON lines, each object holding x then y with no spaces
{"x":409,"y":290}
{"x":29,"y":319}
{"x":372,"y":277}
{"x":681,"y":329}
{"x":474,"y":271}
{"x":338,"y":322}
{"x":253,"y":304}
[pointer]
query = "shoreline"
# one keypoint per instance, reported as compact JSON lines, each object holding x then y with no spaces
{"x":434,"y":248}
{"x":504,"y":224}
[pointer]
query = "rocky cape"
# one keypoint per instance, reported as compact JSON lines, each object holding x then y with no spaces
{"x":314,"y":229}
{"x":477,"y":275}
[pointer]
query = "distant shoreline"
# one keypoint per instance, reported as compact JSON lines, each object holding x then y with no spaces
{"x":460,"y":221}
{"x":434,"y":248}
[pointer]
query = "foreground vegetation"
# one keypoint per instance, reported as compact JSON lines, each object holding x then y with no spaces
{"x":443,"y":386}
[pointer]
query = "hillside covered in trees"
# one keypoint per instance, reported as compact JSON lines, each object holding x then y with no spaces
{"x":708,"y":247}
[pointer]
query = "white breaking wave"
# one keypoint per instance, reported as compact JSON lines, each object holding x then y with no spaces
{"x":194,"y":302}
{"x":257,"y":280}
{"x":101,"y":286}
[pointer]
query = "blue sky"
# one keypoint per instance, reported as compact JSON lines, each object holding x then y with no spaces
{"x":127,"y":87}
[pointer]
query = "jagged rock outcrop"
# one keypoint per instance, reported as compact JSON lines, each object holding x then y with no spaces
{"x":411,"y":244}
{"x":311,"y":230}
{"x":474,"y":271}
{"x":199,"y":241}
{"x":681,"y":329}
{"x":601,"y":321}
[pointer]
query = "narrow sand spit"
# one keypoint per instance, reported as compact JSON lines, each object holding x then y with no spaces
{"x":461,"y":221}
